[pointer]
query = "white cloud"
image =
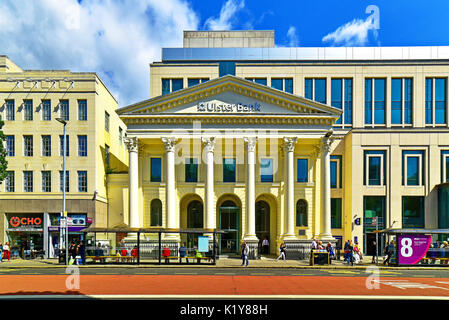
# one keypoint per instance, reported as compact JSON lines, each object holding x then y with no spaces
{"x":354,"y":33}
{"x":116,"y":39}
{"x":227,"y":16}
{"x":292,"y":37}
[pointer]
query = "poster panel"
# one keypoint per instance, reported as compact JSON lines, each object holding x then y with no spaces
{"x":412,"y":247}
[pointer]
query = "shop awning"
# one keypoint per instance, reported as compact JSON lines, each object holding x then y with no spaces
{"x":149,"y":230}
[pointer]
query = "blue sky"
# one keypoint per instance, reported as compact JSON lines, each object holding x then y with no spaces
{"x":118,"y":39}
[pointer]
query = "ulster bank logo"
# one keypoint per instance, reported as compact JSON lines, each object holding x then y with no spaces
{"x":213,"y":107}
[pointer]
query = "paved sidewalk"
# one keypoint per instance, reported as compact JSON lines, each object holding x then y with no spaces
{"x":227,"y":262}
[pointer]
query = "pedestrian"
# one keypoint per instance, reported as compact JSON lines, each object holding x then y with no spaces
{"x":6,"y":253}
{"x":314,"y":246}
{"x":346,"y":251}
{"x":245,"y":251}
{"x":166,"y":254}
{"x":349,"y":251}
{"x":134,"y":254}
{"x":72,"y":253}
{"x":358,"y":253}
{"x":330,"y":249}
{"x":389,"y":250}
{"x":281,"y":252}
{"x":183,"y":253}
{"x":82,"y":252}
{"x":374,"y":251}
{"x":265,"y":246}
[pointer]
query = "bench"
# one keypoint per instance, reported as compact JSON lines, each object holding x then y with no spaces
{"x":103,"y":258}
{"x":167,"y":259}
{"x":435,"y":258}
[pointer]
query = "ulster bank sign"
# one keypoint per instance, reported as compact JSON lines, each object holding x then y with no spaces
{"x":213,"y":107}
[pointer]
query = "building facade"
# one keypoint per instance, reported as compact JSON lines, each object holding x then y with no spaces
{"x":31,"y":196}
{"x":333,"y":143}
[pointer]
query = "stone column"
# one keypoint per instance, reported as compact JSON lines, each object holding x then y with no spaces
{"x":250,"y":189}
{"x":133,"y":176}
{"x":170,"y":204}
{"x":289,"y":147}
{"x":209,"y":145}
{"x":326,"y":233}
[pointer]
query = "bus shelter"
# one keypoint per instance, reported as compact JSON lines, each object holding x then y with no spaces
{"x":418,"y":246}
{"x":124,"y":245}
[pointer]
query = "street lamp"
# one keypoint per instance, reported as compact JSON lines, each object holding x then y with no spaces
{"x":63,"y":193}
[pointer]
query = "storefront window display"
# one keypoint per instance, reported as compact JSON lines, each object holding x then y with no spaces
{"x":25,"y":234}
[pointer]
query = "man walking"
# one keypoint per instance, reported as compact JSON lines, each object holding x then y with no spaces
{"x":245,"y":251}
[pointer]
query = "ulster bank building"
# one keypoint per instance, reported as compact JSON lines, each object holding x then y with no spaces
{"x":287,"y":144}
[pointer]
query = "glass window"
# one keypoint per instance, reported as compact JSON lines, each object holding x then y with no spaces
{"x":165,"y":86}
{"x":191,"y":168}
{"x":320,"y":90}
{"x":28,"y":109}
{"x":28,"y":181}
{"x":379,"y":101}
{"x":28,"y":146}
{"x":156,"y":169}
{"x":413,"y":167}
{"x":374,"y":206}
{"x":336,"y":213}
{"x":413,"y":212}
{"x":308,"y":90}
{"x":266,"y":170}
{"x":10,"y":181}
{"x":46,"y":110}
{"x":277,"y":84}
{"x":302,"y":170}
{"x":194,"y":81}
{"x":106,"y":121}
{"x":106,"y":155}
{"x":82,"y":110}
{"x":10,"y":146}
{"x":368,"y":101}
{"x":262,"y":81}
{"x":67,"y":180}
{"x":82,"y":181}
{"x":429,"y":101}
{"x":401,"y":101}
{"x":283,"y":84}
{"x":10,"y":110}
{"x":334,"y":170}
{"x":177,"y":84}
{"x":228,"y":170}
{"x":301,"y":213}
{"x":440,"y":101}
{"x":156,"y":213}
{"x":61,"y":145}
{"x":288,"y":85}
{"x":82,"y":146}
{"x":65,"y":111}
{"x":375,"y":167}
{"x":444,"y":166}
{"x":348,"y":101}
{"x":46,"y":181}
{"x":46,"y":146}
{"x":225,"y":68}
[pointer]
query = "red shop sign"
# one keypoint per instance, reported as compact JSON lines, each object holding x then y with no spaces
{"x":16,"y":221}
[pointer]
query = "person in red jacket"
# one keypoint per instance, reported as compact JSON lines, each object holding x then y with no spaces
{"x":166,"y":253}
{"x":134,"y":254}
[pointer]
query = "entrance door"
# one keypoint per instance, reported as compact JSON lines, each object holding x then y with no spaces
{"x":229,"y":215}
{"x":262,"y":222}
{"x":194,"y":220}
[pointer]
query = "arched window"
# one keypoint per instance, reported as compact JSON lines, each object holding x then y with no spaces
{"x":301,"y":213}
{"x":156,"y":213}
{"x":195,"y":214}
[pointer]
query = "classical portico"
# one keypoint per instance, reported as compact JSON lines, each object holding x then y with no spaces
{"x":232,"y":139}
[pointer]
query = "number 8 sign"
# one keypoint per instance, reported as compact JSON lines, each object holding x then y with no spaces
{"x":412,"y":248}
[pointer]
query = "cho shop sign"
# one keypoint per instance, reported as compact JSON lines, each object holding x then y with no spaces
{"x":16,"y":221}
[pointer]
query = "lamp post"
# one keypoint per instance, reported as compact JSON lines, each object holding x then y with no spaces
{"x":63,"y":192}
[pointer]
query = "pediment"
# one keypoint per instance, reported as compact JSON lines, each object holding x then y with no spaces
{"x":228,"y":96}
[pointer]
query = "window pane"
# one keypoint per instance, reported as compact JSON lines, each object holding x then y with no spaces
{"x":302,"y":170}
{"x":228,"y":170}
{"x":396,"y":101}
{"x":320,"y":90}
{"x":308,"y":90}
{"x":277,"y":84}
{"x":226,"y":67}
{"x":374,"y":206}
{"x":429,"y":98}
{"x":368,"y":101}
{"x":336,"y":96}
{"x":413,"y":212}
{"x":28,"y":106}
{"x":165,"y":86}
{"x":46,"y":110}
{"x":374,"y":171}
{"x":440,"y":101}
{"x":193,"y":82}
{"x":288,"y":85}
{"x":82,"y":110}
{"x":334,"y":171}
{"x":301,"y":213}
{"x":412,"y":171}
{"x":156,"y":169}
{"x":177,"y":84}
{"x":156,"y":212}
{"x":408,"y":105}
{"x":335,"y":212}
{"x":266,"y":170}
{"x":191,"y":168}
{"x":379,"y":101}
{"x":348,"y":101}
{"x":262,"y":81}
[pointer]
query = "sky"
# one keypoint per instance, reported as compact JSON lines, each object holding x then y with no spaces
{"x":118,"y":39}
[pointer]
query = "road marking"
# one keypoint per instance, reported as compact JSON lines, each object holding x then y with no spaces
{"x":145,"y":273}
{"x":185,"y":273}
{"x":261,"y":274}
{"x":303,"y":274}
{"x":342,"y":272}
{"x":225,"y":273}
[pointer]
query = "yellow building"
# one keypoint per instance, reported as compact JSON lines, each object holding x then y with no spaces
{"x":306,"y":142}
{"x":31,"y":195}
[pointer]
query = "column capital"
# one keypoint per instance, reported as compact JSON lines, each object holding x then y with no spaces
{"x":250,"y":143}
{"x":289,"y":143}
{"x":169,"y":143}
{"x":132,"y":144}
{"x":326,"y":143}
{"x":209,"y":143}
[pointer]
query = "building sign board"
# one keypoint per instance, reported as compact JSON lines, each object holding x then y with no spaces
{"x":212,"y":107}
{"x":412,"y":247}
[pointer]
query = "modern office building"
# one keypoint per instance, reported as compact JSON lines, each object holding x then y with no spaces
{"x":288,"y":143}
{"x":31,"y":198}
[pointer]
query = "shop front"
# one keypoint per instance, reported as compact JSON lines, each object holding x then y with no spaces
{"x":25,"y":234}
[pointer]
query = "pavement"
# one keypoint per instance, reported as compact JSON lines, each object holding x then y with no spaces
{"x":222,"y":262}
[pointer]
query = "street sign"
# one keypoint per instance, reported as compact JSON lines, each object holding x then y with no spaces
{"x":63,"y":222}
{"x":69,"y":221}
{"x":374,"y":221}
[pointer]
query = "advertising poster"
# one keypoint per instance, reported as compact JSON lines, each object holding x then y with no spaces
{"x":203,"y":244}
{"x":412,"y":248}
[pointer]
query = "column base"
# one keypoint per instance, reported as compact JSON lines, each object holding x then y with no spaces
{"x":326,"y":237}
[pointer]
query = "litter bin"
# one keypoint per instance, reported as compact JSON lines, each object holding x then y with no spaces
{"x":62,"y":257}
{"x":320,"y":257}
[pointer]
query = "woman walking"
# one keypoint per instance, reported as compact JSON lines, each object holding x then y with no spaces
{"x":281,"y":252}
